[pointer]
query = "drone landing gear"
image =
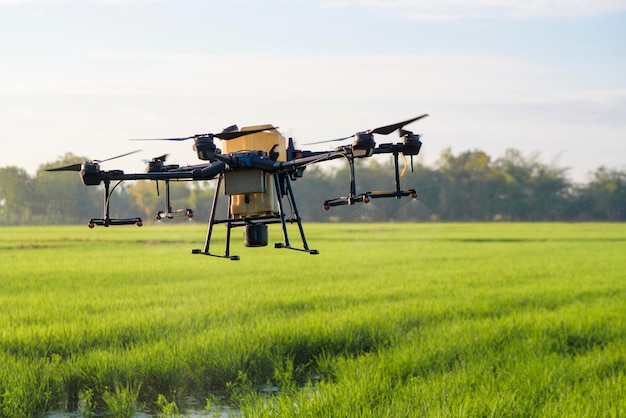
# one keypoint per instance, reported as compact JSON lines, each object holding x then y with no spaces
{"x":366,"y":197}
{"x":255,"y":227}
{"x":230,"y":257}
{"x":169,"y":213}
{"x":112,"y":222}
{"x":353,"y":198}
{"x":106,"y":221}
{"x":305,"y":250}
{"x":283,"y":185}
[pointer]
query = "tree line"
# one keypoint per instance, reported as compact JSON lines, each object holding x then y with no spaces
{"x":468,"y":186}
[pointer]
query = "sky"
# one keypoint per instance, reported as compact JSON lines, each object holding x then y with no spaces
{"x":544,"y":77}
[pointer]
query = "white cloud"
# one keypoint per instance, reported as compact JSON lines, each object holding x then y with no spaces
{"x":427,"y":9}
{"x":472,"y":9}
{"x":453,"y":80}
{"x":314,"y":76}
{"x":24,"y":2}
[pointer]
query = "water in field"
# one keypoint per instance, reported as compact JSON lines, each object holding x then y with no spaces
{"x":218,"y":412}
{"x":191,"y":408}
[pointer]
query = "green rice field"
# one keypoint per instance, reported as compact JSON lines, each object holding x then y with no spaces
{"x":389,"y":320}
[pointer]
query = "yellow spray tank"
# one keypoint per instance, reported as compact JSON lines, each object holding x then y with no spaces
{"x":253,"y":192}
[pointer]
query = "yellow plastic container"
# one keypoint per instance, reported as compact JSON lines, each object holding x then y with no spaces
{"x":256,"y":204}
{"x":261,"y":198}
{"x":260,"y":141}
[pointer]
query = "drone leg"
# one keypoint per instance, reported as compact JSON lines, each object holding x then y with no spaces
{"x":207,"y":241}
{"x":106,"y":203}
{"x":283,"y":221}
{"x":227,"y":249}
{"x":229,"y":226}
{"x":282,"y":214}
{"x":292,"y":198}
{"x":168,"y":203}
{"x":352,"y":181}
{"x":395,"y":160}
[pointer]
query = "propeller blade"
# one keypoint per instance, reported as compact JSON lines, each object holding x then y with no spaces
{"x":329,"y":140}
{"x":383,"y":130}
{"x":118,"y":156}
{"x":155,"y":159}
{"x":77,"y":166}
{"x":386,"y":130}
{"x":164,"y":139}
{"x":71,"y":167}
{"x":228,"y":135}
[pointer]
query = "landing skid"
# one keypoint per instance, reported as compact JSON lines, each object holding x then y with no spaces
{"x":283,"y":187}
{"x":353,"y":197}
{"x":112,"y":222}
{"x":230,"y":257}
{"x":366,"y":197}
{"x":310,"y":251}
{"x":106,"y":220}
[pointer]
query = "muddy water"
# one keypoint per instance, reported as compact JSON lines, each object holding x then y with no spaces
{"x":221,"y":412}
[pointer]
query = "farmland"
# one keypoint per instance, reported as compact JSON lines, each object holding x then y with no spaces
{"x":389,"y":320}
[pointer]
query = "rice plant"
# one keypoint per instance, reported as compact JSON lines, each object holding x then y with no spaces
{"x":389,"y":320}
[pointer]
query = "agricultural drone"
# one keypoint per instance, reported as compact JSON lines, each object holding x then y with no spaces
{"x":257,"y":166}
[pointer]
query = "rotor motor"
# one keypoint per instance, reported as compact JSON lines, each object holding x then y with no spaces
{"x":205,"y":147}
{"x":90,"y":173}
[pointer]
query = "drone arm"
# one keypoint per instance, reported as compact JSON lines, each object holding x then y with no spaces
{"x":263,"y":163}
{"x":210,"y":171}
{"x":204,"y":173}
{"x":148,"y":176}
{"x":309,"y":157}
{"x":398,"y":148}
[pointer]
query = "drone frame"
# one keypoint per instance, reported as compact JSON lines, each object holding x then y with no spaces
{"x":265,"y":163}
{"x":284,"y":189}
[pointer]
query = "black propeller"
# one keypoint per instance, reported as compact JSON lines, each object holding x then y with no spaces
{"x":227,"y":134}
{"x":158,"y":164}
{"x":159,"y":158}
{"x":77,"y":166}
{"x":383,"y":130}
{"x":386,"y":130}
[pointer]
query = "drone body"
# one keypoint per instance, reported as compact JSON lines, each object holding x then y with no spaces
{"x":257,"y":167}
{"x":252,"y":191}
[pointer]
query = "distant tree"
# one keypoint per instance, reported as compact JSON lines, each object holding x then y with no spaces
{"x":604,"y":197}
{"x":144,"y":196}
{"x":533,"y":190}
{"x":316,"y":186}
{"x":16,"y":196}
{"x":61,"y":198}
{"x":469,"y":186}
{"x":149,"y":197}
{"x":473,"y":186}
{"x":428,"y":183}
{"x":200,"y":199}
